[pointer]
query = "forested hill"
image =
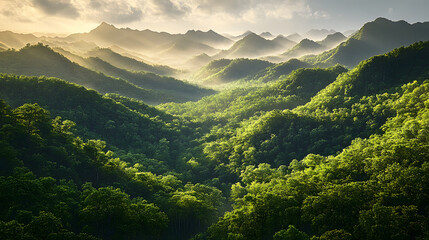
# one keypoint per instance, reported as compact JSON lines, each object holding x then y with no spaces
{"x":307,"y":153}
{"x":40,"y":60}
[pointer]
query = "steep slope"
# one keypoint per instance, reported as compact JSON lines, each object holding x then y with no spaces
{"x":332,"y":40}
{"x":252,"y":46}
{"x":40,"y":60}
{"x":377,"y":37}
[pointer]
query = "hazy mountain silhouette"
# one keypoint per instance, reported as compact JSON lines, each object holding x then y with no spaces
{"x":39,"y":60}
{"x":184,"y":46}
{"x":127,"y":63}
{"x":332,"y":40}
{"x":305,"y":47}
{"x":267,"y":35}
{"x":106,"y":35}
{"x":209,"y":38}
{"x":295,"y":37}
{"x":253,"y":45}
{"x":376,"y":37}
{"x":3,"y":46}
{"x":17,"y":40}
{"x":198,"y":61}
{"x":175,"y":88}
{"x":318,"y":34}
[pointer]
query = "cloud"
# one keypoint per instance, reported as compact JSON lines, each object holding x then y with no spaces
{"x":64,"y":8}
{"x":168,"y":9}
{"x":111,"y":11}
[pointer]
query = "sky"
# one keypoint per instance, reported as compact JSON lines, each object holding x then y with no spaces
{"x":223,"y":16}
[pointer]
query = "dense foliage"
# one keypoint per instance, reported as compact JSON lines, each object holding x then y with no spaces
{"x":315,"y":154}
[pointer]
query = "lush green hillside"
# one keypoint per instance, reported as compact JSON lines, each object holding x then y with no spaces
{"x":381,"y":180}
{"x":66,"y":188}
{"x":296,"y":152}
{"x":225,"y":70}
{"x":377,"y":37}
{"x":143,"y":132}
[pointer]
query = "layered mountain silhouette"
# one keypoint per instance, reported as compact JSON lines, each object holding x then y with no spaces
{"x":16,"y":40}
{"x":295,"y":37}
{"x":127,"y":63}
{"x":253,"y":45}
{"x":333,"y":40}
{"x":376,"y":37}
{"x":267,"y":35}
{"x":305,"y":47}
{"x":318,"y":34}
{"x":39,"y":60}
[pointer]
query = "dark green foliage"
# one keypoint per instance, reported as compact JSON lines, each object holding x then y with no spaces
{"x":317,"y":154}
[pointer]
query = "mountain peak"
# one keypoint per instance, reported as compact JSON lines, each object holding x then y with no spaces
{"x":104,"y":27}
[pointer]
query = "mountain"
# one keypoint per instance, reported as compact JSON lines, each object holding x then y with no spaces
{"x":332,"y":40}
{"x":38,"y":60}
{"x":209,"y":38}
{"x":318,"y":34}
{"x":106,"y":35}
{"x":17,"y":40}
{"x":226,"y":70}
{"x":305,"y":47}
{"x":3,"y":46}
{"x":267,"y":35}
{"x":280,"y":70}
{"x":176,"y":89}
{"x":295,"y":37}
{"x":184,"y":47}
{"x":252,"y":46}
{"x":348,"y":33}
{"x":284,"y":42}
{"x":198,"y":61}
{"x":127,"y":63}
{"x":376,"y":37}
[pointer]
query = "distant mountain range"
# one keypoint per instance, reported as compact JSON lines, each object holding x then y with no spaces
{"x":39,"y":60}
{"x":253,"y":45}
{"x":376,"y":37}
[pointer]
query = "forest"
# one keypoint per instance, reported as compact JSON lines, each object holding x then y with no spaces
{"x":315,"y":148}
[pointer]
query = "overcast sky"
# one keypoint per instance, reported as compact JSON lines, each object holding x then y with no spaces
{"x":224,"y":16}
